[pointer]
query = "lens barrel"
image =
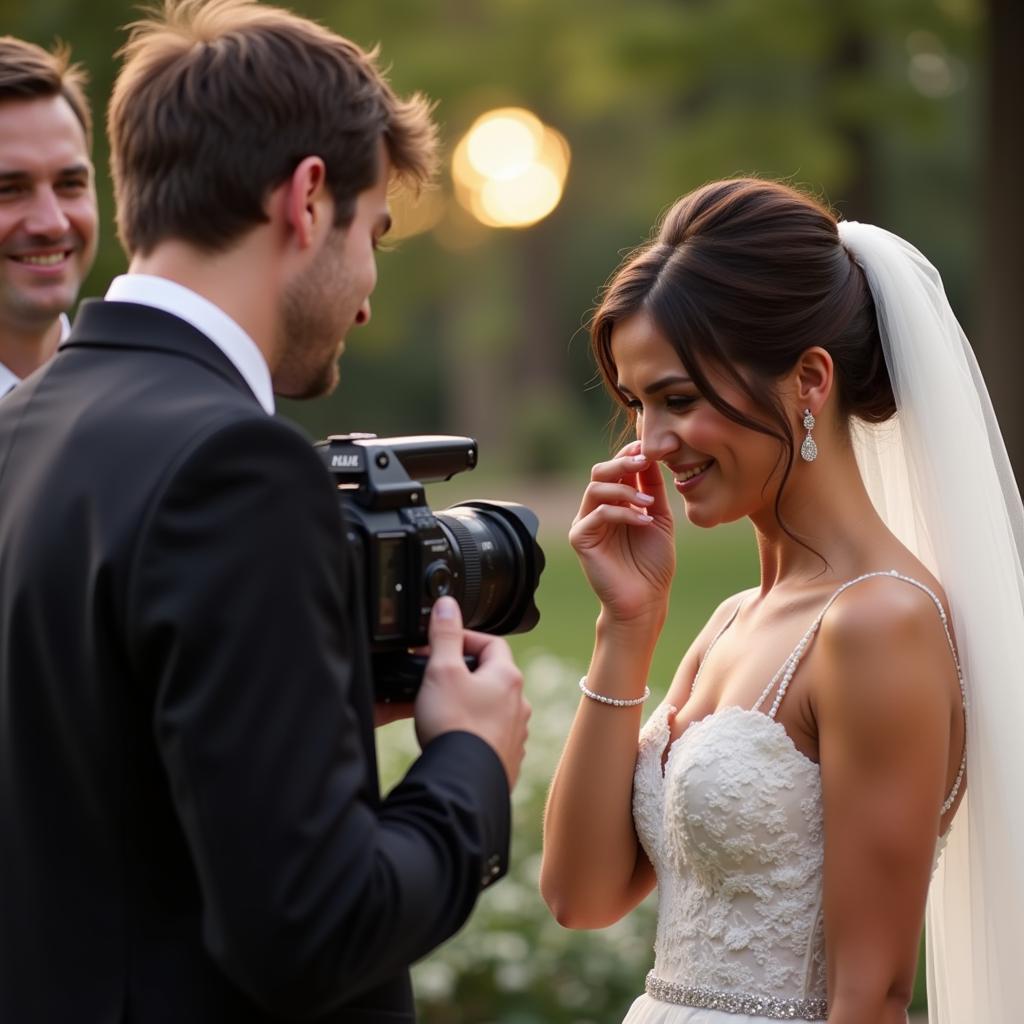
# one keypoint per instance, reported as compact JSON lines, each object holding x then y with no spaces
{"x":498,"y":564}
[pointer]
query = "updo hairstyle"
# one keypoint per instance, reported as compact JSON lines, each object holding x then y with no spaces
{"x":744,"y":275}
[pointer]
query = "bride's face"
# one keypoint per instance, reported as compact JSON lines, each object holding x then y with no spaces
{"x":722,"y":469}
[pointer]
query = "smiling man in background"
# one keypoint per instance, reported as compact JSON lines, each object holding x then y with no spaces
{"x":47,"y":202}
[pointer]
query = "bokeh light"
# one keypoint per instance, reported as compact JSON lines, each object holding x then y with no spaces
{"x":509,"y":169}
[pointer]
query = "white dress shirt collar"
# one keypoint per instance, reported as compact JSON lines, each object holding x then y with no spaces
{"x":8,"y":380}
{"x":205,"y":317}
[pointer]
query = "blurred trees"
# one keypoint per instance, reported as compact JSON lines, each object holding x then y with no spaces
{"x":1001,"y":338}
{"x":876,"y":104}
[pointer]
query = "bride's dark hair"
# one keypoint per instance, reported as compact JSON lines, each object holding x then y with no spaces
{"x":744,"y":275}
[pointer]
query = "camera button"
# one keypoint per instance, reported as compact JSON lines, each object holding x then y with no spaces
{"x":439,"y":580}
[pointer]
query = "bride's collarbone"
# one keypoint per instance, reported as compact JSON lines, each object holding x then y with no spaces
{"x":738,"y":671}
{"x":747,"y":656}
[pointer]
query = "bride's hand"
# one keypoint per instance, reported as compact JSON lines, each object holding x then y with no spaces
{"x":624,"y":539}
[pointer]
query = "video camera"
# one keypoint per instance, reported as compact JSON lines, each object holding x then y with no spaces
{"x":484,"y":553}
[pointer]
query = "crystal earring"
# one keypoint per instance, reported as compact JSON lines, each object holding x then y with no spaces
{"x":808,"y":450}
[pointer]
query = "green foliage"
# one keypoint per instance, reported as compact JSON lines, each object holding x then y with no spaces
{"x":655,"y":97}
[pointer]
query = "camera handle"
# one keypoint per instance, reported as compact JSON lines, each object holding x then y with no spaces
{"x":397,"y":675}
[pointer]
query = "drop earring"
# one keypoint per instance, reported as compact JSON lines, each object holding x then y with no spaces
{"x":808,"y":450}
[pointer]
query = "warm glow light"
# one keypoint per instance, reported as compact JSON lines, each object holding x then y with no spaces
{"x":504,"y":144}
{"x":554,"y":153}
{"x":509,"y":169}
{"x":525,"y":200}
{"x":466,"y":177}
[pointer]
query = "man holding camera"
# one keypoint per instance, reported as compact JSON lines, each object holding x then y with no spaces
{"x":190,"y":822}
{"x":47,"y":202}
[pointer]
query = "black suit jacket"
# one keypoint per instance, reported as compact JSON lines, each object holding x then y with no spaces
{"x":191,"y":829}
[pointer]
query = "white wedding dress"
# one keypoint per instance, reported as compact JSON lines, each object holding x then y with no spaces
{"x":732,"y":823}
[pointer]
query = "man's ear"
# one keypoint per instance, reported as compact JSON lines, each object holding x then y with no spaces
{"x":308,"y":207}
{"x":813,"y":377}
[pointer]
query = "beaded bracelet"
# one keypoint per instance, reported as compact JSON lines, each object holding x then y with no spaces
{"x":614,"y":701}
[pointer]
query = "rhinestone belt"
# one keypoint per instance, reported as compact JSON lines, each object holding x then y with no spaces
{"x":735,"y":1002}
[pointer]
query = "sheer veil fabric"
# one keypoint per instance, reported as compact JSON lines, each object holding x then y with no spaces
{"x":939,"y":475}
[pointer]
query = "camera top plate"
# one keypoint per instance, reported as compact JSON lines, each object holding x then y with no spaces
{"x":388,"y":472}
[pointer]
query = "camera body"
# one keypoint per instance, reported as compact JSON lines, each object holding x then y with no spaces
{"x":483,"y":553}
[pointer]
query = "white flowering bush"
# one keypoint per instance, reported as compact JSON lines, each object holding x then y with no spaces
{"x":512,"y":963}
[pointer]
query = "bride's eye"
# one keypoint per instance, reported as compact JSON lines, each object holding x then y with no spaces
{"x":679,"y":403}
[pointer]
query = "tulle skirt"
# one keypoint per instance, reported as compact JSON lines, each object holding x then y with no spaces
{"x":646,"y":1010}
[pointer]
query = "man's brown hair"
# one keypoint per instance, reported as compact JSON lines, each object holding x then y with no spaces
{"x":217,"y":103}
{"x":29,"y":72}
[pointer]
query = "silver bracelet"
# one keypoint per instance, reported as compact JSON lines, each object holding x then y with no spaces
{"x":614,"y":701}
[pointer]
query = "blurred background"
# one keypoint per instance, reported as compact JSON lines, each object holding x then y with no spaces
{"x":568,"y":128}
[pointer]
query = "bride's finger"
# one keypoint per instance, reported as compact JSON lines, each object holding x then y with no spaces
{"x":612,"y":494}
{"x":650,"y":481}
{"x":621,"y":469}
{"x":630,"y":448}
{"x":591,"y":529}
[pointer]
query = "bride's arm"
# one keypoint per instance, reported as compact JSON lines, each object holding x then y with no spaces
{"x":884,"y":693}
{"x":593,"y":869}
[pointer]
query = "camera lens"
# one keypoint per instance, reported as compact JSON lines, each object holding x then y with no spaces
{"x":498,"y":564}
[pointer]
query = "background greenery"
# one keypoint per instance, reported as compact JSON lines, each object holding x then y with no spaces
{"x":896,"y":111}
{"x":877,"y":105}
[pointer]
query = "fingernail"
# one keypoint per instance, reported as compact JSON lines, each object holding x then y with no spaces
{"x":644,"y":499}
{"x":639,"y":459}
{"x":444,"y":607}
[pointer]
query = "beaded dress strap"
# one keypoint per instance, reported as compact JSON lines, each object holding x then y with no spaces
{"x":784,"y":676}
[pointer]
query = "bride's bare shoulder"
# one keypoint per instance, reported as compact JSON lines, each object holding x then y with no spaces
{"x":884,"y":642}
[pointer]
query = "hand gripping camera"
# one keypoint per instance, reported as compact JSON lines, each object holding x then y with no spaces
{"x":484,"y":553}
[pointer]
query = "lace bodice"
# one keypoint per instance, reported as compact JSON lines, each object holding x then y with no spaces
{"x":733,"y":829}
{"x":731,"y":820}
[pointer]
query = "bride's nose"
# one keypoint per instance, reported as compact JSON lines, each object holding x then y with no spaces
{"x":657,"y":442}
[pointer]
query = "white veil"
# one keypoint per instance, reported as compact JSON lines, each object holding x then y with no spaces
{"x":940,"y":477}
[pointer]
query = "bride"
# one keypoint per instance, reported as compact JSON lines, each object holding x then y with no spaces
{"x":802,"y":790}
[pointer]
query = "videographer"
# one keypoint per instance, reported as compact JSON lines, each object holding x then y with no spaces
{"x":190,"y":822}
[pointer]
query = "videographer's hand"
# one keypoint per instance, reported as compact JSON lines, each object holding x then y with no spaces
{"x":488,"y":702}
{"x":623,"y":536}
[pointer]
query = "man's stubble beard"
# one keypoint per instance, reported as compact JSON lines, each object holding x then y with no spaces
{"x":311,"y":332}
